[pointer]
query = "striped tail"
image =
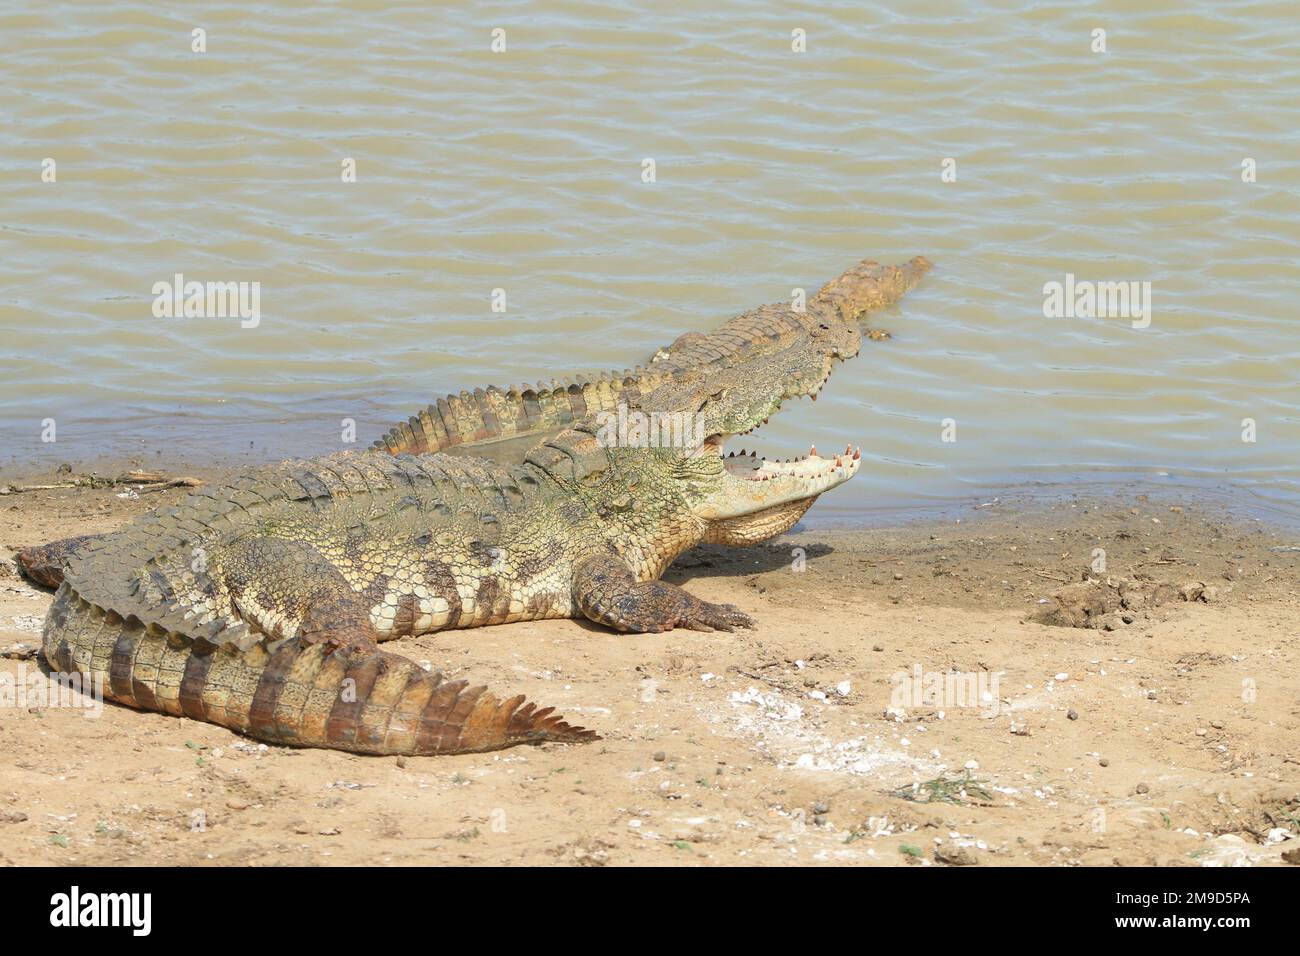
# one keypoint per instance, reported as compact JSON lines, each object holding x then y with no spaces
{"x":291,"y":692}
{"x":487,"y":416}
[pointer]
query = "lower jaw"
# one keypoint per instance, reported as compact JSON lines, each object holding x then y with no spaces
{"x":759,"y":526}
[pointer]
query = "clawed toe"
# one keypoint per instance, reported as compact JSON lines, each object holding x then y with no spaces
{"x":716,"y":617}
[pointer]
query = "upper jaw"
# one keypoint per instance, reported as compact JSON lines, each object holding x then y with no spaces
{"x":751,"y":483}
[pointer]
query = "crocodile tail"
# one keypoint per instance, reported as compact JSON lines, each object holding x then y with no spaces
{"x":292,"y":692}
{"x":487,"y":416}
{"x":869,"y":286}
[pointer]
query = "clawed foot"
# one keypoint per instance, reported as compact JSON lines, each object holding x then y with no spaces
{"x":706,"y":616}
{"x":608,"y":592}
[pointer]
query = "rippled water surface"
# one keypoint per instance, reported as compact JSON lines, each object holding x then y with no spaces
{"x":522,"y":170}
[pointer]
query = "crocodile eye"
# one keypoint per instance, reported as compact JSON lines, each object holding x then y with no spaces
{"x":715,"y":397}
{"x":823,"y":326}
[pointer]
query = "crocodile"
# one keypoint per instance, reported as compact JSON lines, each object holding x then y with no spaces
{"x":260,"y":605}
{"x":826,"y":330}
{"x":804,"y":343}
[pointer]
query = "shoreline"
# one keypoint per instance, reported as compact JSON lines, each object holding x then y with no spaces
{"x":1240,"y":500}
{"x":777,"y":745}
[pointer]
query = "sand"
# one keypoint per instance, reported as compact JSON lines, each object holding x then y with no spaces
{"x":1165,"y":732}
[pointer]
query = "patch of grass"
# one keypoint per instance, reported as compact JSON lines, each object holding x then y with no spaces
{"x":680,"y":845}
{"x":960,"y":790}
{"x":907,"y":849}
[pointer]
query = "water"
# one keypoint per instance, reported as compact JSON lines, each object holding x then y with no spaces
{"x":522,"y":171}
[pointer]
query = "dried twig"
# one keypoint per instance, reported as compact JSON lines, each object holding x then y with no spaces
{"x":142,"y":481}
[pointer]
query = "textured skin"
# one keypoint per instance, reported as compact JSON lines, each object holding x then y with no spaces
{"x":773,"y":342}
{"x":260,"y":605}
{"x":491,"y":415}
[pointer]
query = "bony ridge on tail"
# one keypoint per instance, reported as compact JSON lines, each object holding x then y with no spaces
{"x":260,"y":605}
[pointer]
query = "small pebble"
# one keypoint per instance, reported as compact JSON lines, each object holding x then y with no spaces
{"x":401,"y":761}
{"x":821,"y":807}
{"x":1143,"y":788}
{"x":1072,"y":714}
{"x":1104,"y":762}
{"x":660,"y":756}
{"x":235,"y":803}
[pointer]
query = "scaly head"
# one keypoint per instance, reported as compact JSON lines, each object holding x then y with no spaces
{"x":739,"y":498}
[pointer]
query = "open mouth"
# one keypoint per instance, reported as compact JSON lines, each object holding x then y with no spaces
{"x":751,"y":466}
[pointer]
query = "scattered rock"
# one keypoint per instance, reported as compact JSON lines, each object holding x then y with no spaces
{"x":1099,"y":604}
{"x":1292,"y":856}
{"x":12,"y":816}
{"x":1104,"y":762}
{"x":1142,"y":788}
{"x":1072,"y":714}
{"x":956,"y":855}
{"x":235,"y":803}
{"x":20,"y":652}
{"x":660,"y":756}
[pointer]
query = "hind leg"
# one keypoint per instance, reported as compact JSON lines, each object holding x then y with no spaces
{"x":45,"y":563}
{"x":287,"y":588}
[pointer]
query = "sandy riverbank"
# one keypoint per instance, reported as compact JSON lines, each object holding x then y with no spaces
{"x":1172,"y":738}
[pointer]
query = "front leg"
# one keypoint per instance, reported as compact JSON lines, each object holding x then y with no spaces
{"x":608,"y":593}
